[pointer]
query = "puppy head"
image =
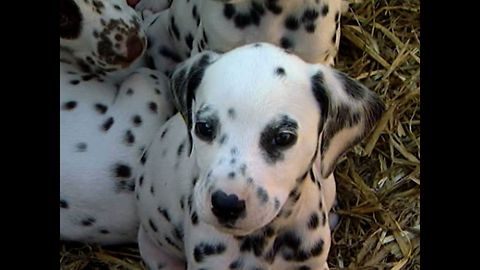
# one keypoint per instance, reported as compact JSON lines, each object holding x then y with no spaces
{"x":101,"y":34}
{"x":258,"y":117}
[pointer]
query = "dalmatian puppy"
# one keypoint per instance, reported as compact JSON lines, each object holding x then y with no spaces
{"x":308,"y":28}
{"x":151,"y":6}
{"x":104,"y":130}
{"x":101,"y":37}
{"x":228,"y":181}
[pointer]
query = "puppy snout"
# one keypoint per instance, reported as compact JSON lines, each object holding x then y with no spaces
{"x":227,"y":208}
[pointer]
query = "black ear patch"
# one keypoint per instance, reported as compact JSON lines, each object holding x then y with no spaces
{"x":185,"y":81}
{"x":70,"y":19}
{"x":349,"y":111}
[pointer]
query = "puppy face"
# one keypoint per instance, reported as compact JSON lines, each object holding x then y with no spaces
{"x":256,"y":116}
{"x":103,"y":35}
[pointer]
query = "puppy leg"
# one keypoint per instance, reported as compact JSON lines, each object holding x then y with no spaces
{"x":154,"y":257}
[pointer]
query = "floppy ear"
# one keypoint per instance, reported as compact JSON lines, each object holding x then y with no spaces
{"x":186,"y":78}
{"x":349,"y":111}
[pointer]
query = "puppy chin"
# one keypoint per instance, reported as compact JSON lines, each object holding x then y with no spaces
{"x":233,"y":231}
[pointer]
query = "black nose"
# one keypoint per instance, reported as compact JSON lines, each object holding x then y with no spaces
{"x":227,"y":208}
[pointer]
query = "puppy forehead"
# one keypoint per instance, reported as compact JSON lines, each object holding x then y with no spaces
{"x":258,"y":81}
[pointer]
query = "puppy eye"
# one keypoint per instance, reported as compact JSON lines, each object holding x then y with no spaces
{"x":285,"y":139}
{"x":204,"y":131}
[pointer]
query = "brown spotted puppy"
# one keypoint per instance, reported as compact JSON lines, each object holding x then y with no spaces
{"x":101,"y":36}
{"x":309,"y":28}
{"x":228,"y":182}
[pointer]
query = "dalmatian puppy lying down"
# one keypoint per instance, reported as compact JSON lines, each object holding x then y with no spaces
{"x":101,"y":37}
{"x":104,"y":131}
{"x":309,"y":28}
{"x":228,"y":182}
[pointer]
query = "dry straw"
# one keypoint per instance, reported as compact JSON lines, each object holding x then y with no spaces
{"x":378,"y":182}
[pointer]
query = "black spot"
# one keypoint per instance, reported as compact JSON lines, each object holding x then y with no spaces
{"x":104,"y":231}
{"x":81,"y":147}
{"x":88,"y":222}
{"x":164,"y":213}
{"x":255,"y":243}
{"x":325,"y":11}
{"x":152,"y":190}
{"x":203,"y":250}
{"x":129,"y":137}
{"x":276,"y":203}
{"x":101,"y":108}
{"x":223,"y":138}
{"x":140,"y":180}
{"x":286,"y":43}
{"x":229,"y":11}
{"x":337,"y":16}
{"x":231,"y":113}
{"x":289,"y":244}
{"x":181,"y":148}
{"x":334,"y":37}
{"x":205,"y":36}
{"x":310,"y":27}
{"x":129,"y":92}
{"x":143,"y":159}
{"x":174,"y":28}
{"x":194,"y":218}
{"x":122,"y":171}
{"x":194,"y":12}
{"x":256,"y":12}
{"x":137,"y":120}
{"x":189,"y":41}
{"x":153,"y":76}
{"x":189,"y":202}
{"x":166,"y":52}
{"x":309,"y":15}
{"x":280,"y":71}
{"x":324,"y":218}
{"x":178,"y":233}
{"x":273,"y":6}
{"x":87,"y":77}
{"x":304,"y":267}
{"x":63,"y":204}
{"x":243,"y":169}
{"x":194,"y":181}
{"x":153,"y":106}
{"x":152,"y":225}
{"x":107,"y":124}
{"x":291,"y":23}
{"x":69,"y":105}
{"x":237,"y":264}
{"x":242,"y":20}
{"x":75,"y":82}
{"x":170,"y":242}
{"x":294,"y":195}
{"x":317,"y":248}
{"x":157,"y":91}
{"x":262,"y":195}
{"x":313,"y":221}
{"x":163,"y":133}
{"x":234,"y":151}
